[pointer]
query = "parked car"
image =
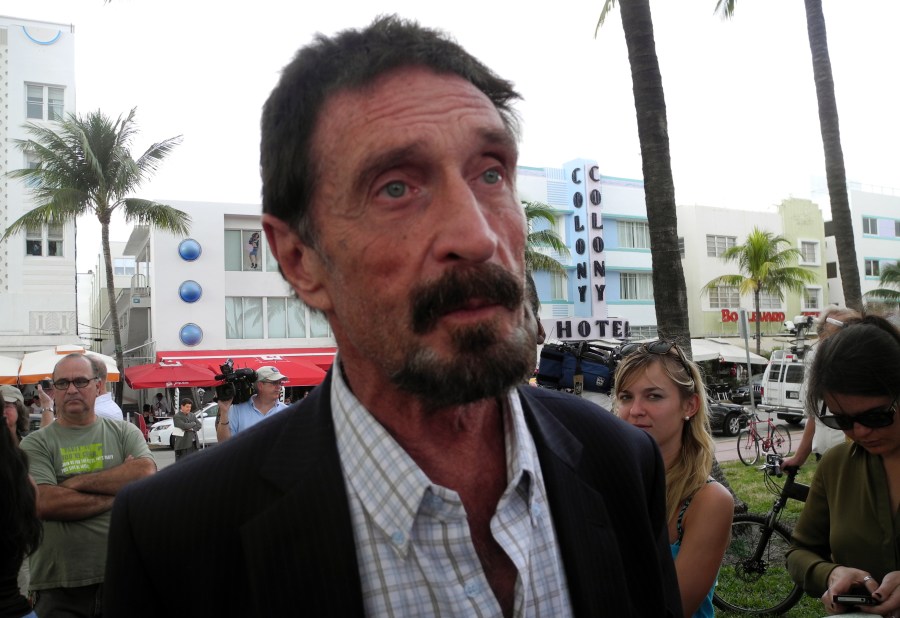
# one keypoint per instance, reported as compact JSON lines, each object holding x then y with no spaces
{"x":726,"y":418}
{"x":741,"y":394}
{"x":161,"y":431}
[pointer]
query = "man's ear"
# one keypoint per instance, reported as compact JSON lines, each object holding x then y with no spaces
{"x":301,"y":266}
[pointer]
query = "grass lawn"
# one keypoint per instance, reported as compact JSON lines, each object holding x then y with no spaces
{"x":747,"y":482}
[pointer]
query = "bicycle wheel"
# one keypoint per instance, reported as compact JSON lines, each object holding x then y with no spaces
{"x":747,"y":448}
{"x":781,"y":441}
{"x":756,"y":586}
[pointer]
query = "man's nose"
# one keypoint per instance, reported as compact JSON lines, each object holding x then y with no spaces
{"x":466,"y":231}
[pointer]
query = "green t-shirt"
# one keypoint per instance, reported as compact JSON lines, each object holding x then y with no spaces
{"x":73,"y":553}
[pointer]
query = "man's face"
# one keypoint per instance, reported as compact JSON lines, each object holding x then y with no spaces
{"x":421,"y":238}
{"x":75,"y":405}
{"x":268,"y":391}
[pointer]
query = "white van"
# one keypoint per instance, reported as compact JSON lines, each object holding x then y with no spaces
{"x":784,"y":391}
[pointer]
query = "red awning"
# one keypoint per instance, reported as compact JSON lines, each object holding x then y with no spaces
{"x":301,"y":366}
{"x":169,"y":374}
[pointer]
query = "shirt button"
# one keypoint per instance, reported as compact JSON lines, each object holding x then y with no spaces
{"x":472,"y":589}
{"x":536,"y":510}
{"x":398,"y":538}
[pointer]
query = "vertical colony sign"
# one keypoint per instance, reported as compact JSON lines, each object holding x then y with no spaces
{"x":585,"y":240}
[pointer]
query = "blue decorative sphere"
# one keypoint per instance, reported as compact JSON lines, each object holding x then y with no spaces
{"x":190,"y":334}
{"x":190,"y":291}
{"x":189,"y":249}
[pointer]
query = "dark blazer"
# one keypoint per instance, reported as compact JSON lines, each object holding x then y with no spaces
{"x":189,"y":424}
{"x":271,"y":533}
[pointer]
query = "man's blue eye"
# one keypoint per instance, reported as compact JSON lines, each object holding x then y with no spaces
{"x":492,"y":177}
{"x":395,"y":189}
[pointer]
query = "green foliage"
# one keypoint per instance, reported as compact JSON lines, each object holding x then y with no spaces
{"x":86,"y":168}
{"x":889,"y":292}
{"x":535,"y":259}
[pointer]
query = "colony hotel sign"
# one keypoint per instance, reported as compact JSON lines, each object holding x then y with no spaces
{"x":585,"y":241}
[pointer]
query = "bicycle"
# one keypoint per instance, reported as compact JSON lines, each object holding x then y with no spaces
{"x":777,"y":440}
{"x":753,"y":578}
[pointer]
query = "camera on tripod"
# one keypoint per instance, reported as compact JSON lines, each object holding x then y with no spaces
{"x":238,"y":385}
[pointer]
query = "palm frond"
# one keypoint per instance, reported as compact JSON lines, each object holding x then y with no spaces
{"x":608,"y":6}
{"x":154,"y":214}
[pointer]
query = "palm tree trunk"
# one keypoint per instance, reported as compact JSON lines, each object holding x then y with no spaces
{"x":758,"y":321}
{"x":113,"y":310}
{"x":659,"y":188}
{"x":834,"y":155}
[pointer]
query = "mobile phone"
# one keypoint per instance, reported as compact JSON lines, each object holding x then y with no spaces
{"x":855,"y":598}
{"x":46,"y":384}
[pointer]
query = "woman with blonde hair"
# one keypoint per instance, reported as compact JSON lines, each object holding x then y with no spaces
{"x":660,"y":391}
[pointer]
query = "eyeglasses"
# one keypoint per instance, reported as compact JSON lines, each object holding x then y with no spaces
{"x":660,"y":347}
{"x":875,"y":418}
{"x":63,"y":384}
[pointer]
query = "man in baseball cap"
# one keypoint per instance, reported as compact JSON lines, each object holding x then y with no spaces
{"x":265,"y":403}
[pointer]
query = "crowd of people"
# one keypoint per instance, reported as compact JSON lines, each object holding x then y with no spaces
{"x":423,"y":477}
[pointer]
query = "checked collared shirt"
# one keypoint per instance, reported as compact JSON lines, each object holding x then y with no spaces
{"x":415,"y":552}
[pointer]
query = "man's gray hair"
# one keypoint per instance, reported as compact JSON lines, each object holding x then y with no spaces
{"x":99,"y":366}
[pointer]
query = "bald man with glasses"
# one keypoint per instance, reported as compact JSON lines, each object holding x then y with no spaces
{"x":79,"y":463}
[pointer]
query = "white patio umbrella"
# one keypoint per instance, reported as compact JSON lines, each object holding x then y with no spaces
{"x":37,"y":366}
{"x":9,"y":370}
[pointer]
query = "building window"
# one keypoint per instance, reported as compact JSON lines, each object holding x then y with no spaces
{"x":873,"y":268}
{"x":44,"y":240}
{"x":680,"y":249}
{"x":809,"y":252}
{"x":44,"y":102}
{"x":768,"y":300}
{"x":716,"y":245}
{"x":897,"y":228}
{"x":285,"y":318}
{"x":634,"y":235}
{"x":558,"y":287}
{"x":811,"y":300}
{"x":870,"y":225}
{"x":55,"y":240}
{"x":244,"y":250}
{"x":636,"y":286}
{"x":831,"y":271}
{"x":644,"y":332}
{"x":724,"y":297}
{"x":124,"y":266}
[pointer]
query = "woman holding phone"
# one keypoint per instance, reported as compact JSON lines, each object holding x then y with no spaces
{"x":847,"y":540}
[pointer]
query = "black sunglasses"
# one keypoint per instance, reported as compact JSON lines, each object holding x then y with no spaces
{"x":660,"y":347}
{"x":873,"y":419}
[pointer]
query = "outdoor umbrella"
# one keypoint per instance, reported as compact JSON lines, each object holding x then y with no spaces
{"x":169,"y":374}
{"x":37,"y":366}
{"x":9,"y":370}
{"x":298,"y":372}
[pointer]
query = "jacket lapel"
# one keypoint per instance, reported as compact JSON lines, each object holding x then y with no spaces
{"x":589,"y":549}
{"x":304,"y":542}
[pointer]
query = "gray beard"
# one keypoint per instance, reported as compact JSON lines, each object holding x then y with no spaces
{"x":483,"y":367}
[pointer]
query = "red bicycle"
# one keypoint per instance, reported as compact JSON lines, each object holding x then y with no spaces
{"x":751,"y":441}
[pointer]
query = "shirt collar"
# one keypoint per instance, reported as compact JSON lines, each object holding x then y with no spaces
{"x":387,"y":481}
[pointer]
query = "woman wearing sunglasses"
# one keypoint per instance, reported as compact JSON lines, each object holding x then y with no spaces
{"x":658,"y":390}
{"x":848,"y":535}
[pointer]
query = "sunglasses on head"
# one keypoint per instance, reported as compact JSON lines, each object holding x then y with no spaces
{"x":660,"y":347}
{"x":873,"y":419}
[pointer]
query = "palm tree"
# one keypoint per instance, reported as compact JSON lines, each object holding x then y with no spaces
{"x":85,"y":168}
{"x":659,"y":187}
{"x":835,"y":173}
{"x":889,"y":292}
{"x":535,"y":259}
{"x":764,"y":267}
